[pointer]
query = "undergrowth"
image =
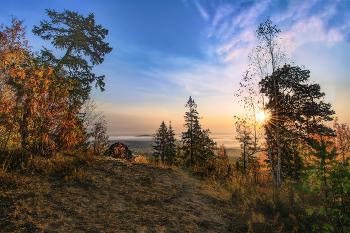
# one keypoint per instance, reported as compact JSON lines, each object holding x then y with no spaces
{"x":17,"y":164}
{"x":259,"y":205}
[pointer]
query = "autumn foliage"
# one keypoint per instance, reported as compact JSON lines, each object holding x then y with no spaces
{"x":35,"y":102}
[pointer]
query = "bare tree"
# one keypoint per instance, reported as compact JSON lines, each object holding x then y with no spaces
{"x":95,"y":126}
{"x":267,"y":34}
{"x":264,"y":59}
{"x":100,"y":137}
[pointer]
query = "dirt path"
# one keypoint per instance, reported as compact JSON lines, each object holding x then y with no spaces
{"x":117,"y":196}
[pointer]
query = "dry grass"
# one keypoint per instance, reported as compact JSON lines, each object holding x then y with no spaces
{"x":116,"y":196}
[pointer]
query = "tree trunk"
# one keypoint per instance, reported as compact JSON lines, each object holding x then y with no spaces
{"x":279,"y":163}
{"x":271,"y":163}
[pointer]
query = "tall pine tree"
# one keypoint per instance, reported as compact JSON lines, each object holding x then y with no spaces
{"x":196,"y":142}
{"x":191,"y":136}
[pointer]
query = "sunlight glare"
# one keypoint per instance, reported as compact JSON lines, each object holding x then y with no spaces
{"x":261,"y":116}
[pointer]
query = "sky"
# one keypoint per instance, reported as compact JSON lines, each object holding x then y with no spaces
{"x":167,"y":50}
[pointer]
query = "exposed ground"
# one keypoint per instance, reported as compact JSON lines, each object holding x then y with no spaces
{"x":117,"y":196}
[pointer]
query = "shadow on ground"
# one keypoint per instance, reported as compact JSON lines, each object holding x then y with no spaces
{"x":118,"y":196}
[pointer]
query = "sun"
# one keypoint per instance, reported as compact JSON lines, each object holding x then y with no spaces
{"x":261,"y":116}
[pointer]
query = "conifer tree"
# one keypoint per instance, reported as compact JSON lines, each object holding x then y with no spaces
{"x":76,"y":35}
{"x":170,"y":146}
{"x":301,"y":112}
{"x":196,"y":142}
{"x":323,"y":153}
{"x":296,"y":107}
{"x":160,"y":141}
{"x":165,"y":144}
{"x":191,"y":136}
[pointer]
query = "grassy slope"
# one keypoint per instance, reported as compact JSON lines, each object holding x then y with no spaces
{"x":117,"y":196}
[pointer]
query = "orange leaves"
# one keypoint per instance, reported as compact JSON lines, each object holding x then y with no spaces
{"x":14,"y":50}
{"x":34,"y":102}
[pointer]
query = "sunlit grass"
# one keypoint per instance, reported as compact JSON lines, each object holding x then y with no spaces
{"x":255,"y":205}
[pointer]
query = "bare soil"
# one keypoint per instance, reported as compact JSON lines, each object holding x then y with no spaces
{"x":117,"y":196}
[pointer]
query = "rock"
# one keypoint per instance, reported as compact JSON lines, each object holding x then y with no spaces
{"x":119,"y":150}
{"x":56,"y":216}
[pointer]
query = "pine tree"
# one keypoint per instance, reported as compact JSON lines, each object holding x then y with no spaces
{"x":76,"y":35}
{"x":205,"y":154}
{"x":301,"y":112}
{"x":191,"y":136}
{"x":196,"y":142}
{"x":170,"y":146}
{"x":160,"y":141}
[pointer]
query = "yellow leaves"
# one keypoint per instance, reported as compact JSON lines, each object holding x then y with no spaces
{"x":37,"y":92}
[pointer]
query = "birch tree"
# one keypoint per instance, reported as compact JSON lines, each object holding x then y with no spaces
{"x":264,"y":59}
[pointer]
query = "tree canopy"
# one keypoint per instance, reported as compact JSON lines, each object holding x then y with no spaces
{"x":79,"y":37}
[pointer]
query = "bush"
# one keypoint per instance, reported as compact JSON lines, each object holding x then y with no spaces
{"x":141,"y":159}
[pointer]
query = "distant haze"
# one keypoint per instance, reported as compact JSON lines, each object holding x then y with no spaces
{"x":220,"y":138}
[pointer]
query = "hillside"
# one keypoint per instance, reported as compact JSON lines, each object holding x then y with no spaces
{"x":117,"y":196}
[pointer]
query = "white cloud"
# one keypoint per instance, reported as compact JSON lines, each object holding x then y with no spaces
{"x":203,"y":13}
{"x":232,"y":26}
{"x":222,"y":13}
{"x":202,"y":78}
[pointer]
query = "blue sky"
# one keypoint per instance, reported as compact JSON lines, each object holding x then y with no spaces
{"x":166,"y":50}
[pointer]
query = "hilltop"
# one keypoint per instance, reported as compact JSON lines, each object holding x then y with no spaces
{"x":114,"y":195}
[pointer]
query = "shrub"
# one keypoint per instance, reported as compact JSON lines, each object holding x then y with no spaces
{"x":141,"y":159}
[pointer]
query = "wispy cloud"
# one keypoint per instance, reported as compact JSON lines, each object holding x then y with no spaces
{"x":201,"y":10}
{"x":201,"y":78}
{"x":232,"y":24}
{"x":230,"y":27}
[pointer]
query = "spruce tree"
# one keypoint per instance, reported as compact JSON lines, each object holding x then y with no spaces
{"x":191,"y":136}
{"x":170,"y":146}
{"x":160,"y":141}
{"x":196,"y":142}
